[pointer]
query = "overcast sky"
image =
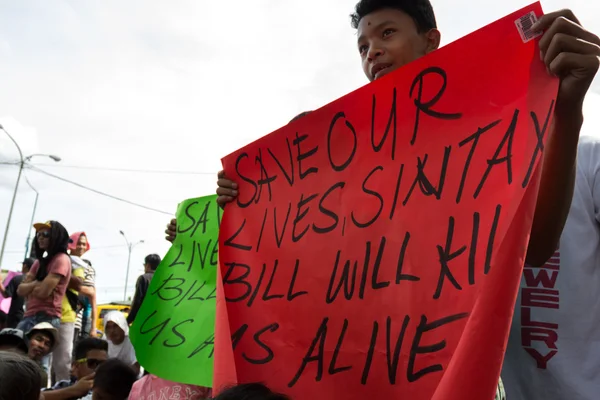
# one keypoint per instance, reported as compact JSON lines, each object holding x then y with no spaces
{"x":171,"y":86}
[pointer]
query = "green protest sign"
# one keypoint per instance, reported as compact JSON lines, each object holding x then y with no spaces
{"x":173,"y":333}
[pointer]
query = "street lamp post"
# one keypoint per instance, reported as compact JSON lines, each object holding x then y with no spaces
{"x":37,"y":195}
{"x":22,"y":163}
{"x":130,"y":247}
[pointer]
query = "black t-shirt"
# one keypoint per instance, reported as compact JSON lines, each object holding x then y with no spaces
{"x":15,"y":312}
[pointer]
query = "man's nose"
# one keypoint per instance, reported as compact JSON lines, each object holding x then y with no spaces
{"x":374,"y":53}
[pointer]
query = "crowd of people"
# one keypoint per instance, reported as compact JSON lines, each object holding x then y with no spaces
{"x":49,"y":346}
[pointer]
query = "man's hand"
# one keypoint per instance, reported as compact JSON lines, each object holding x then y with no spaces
{"x":571,"y":53}
{"x":226,"y":191}
{"x":84,"y":385}
{"x":171,"y":231}
{"x":93,"y":332}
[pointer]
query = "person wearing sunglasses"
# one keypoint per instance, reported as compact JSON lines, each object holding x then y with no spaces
{"x":89,"y":354}
{"x":46,"y":282}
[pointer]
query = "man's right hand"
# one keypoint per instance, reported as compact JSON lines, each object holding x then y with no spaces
{"x":226,"y":191}
{"x":84,"y":385}
{"x":171,"y":231}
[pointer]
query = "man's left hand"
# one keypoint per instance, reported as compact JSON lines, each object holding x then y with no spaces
{"x":571,"y":53}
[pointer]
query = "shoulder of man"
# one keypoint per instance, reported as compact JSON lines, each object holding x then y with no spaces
{"x":60,"y":385}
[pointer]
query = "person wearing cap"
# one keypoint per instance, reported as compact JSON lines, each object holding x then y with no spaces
{"x":16,"y":310}
{"x":46,"y":283}
{"x":42,"y":341}
{"x":13,"y":340}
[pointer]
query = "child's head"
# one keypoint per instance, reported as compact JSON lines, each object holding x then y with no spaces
{"x":392,"y":33}
{"x":113,"y":381}
{"x":250,"y":391}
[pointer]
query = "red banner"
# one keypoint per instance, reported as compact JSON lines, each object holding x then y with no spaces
{"x":377,"y":244}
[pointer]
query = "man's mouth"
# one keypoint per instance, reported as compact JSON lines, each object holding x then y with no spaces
{"x":380,"y":70}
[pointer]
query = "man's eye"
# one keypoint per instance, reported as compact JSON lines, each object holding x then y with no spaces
{"x":388,"y":32}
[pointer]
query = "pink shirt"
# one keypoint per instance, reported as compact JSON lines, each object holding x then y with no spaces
{"x":59,"y":265}
{"x":152,"y":387}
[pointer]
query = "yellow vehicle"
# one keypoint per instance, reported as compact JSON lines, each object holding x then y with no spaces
{"x":103,"y":309}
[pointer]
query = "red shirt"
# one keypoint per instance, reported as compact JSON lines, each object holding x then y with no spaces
{"x":59,"y":265}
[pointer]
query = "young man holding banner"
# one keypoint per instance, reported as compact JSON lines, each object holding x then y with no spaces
{"x":393,"y":33}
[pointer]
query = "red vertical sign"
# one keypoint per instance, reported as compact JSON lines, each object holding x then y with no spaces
{"x":377,"y":244}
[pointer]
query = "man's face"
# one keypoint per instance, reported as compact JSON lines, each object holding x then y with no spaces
{"x":81,"y":246}
{"x":40,"y":344}
{"x":87,"y":366}
{"x":389,"y":39}
{"x":43,"y":238}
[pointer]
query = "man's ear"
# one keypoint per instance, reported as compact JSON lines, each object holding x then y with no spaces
{"x":432,"y":40}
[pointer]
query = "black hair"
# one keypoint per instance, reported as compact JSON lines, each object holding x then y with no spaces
{"x":302,"y":114}
{"x":86,"y":345}
{"x":59,"y":240}
{"x":420,"y":11}
{"x":153,"y":260}
{"x":29,"y":262}
{"x":115,"y":379}
{"x":250,"y":391}
{"x":20,"y":377}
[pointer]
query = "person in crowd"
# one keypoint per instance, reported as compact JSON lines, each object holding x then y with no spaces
{"x":16,"y":310}
{"x":396,"y":32}
{"x":113,"y":381}
{"x":86,"y":317}
{"x":250,"y":391}
{"x":89,"y":354}
{"x":119,"y":345}
{"x":61,"y":359}
{"x":143,"y":283}
{"x":46,"y":283}
{"x":42,"y":341}
{"x":13,"y":340}
{"x":554,"y":346}
{"x":151,"y":386}
{"x":19,"y":377}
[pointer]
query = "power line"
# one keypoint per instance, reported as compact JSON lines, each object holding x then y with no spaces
{"x":60,"y":178}
{"x":142,"y":171}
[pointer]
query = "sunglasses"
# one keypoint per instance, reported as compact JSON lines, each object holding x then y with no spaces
{"x":44,"y":234}
{"x":92,"y":363}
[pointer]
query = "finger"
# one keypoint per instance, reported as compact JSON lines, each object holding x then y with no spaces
{"x":226,"y":192}
{"x":222,"y":200}
{"x":566,"y":63}
{"x":221,"y":174}
{"x":562,"y":43}
{"x":226,"y":183}
{"x":567,"y":27}
{"x":547,"y":20}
